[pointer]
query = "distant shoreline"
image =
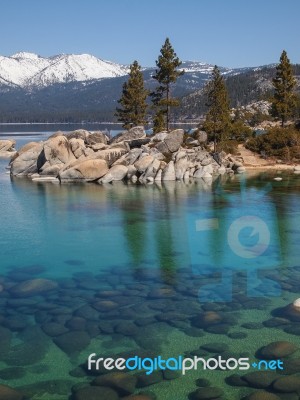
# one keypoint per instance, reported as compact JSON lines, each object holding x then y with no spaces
{"x":275,"y":167}
{"x":81,"y":123}
{"x":60,"y":123}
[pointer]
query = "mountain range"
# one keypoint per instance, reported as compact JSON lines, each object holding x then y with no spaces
{"x":29,"y":70}
{"x":72,"y":88}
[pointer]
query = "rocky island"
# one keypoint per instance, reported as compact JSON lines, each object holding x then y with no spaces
{"x":82,"y":156}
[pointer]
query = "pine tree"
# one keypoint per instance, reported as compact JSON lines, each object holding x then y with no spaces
{"x":158,"y":122}
{"x":133,"y":99}
{"x":166,"y":75}
{"x":284,"y":100}
{"x":218,"y":116}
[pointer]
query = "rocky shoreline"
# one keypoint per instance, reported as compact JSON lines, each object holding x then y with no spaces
{"x":82,"y":156}
{"x":131,"y":156}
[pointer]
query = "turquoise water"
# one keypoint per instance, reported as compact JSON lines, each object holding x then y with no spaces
{"x":146,"y":269}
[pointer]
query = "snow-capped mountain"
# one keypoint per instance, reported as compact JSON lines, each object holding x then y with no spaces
{"x":30,"y":70}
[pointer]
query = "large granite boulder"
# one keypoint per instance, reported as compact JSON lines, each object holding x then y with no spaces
{"x":171,"y":142}
{"x":78,"y":147}
{"x":86,"y":170}
{"x":181,"y":165}
{"x":137,"y":143}
{"x":50,"y":170}
{"x":199,"y":173}
{"x":26,"y":147}
{"x":168,"y":174}
{"x":201,"y":136}
{"x":96,"y":137}
{"x":159,"y":137}
{"x":110,"y":155}
{"x":143,"y":163}
{"x":131,"y":171}
{"x":162,"y":148}
{"x":27,"y":161}
{"x":129,"y":158}
{"x":7,"y":145}
{"x":157,"y":154}
{"x":58,"y":151}
{"x":137,"y":132}
{"x":152,"y":169}
{"x":158,"y":175}
{"x":116,"y":173}
{"x":78,"y":134}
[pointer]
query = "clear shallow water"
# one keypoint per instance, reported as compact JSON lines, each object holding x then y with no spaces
{"x":137,"y":250}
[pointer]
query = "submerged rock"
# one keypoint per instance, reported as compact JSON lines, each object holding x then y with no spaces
{"x":207,"y":393}
{"x":277,"y":350}
{"x":291,"y":311}
{"x":12,"y":373}
{"x":8,"y":393}
{"x":72,"y":342}
{"x":140,"y":396}
{"x":215,"y":347}
{"x":122,"y":382}
{"x":287,"y":384}
{"x":32,"y":287}
{"x":147,"y":380}
{"x":296,"y":305}
{"x":261,"y":395}
{"x":96,"y":393}
{"x":5,"y":340}
{"x":260,"y":379}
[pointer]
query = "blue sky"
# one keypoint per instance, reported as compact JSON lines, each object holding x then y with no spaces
{"x":233,"y":33}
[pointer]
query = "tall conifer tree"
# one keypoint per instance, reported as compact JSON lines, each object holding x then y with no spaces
{"x":133,"y":99}
{"x":218,"y":116}
{"x":284,"y":100}
{"x":166,"y":74}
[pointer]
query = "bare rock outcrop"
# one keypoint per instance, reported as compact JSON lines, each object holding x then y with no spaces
{"x":84,"y":156}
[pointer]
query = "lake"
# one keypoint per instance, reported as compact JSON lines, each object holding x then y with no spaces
{"x":180,"y":269}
